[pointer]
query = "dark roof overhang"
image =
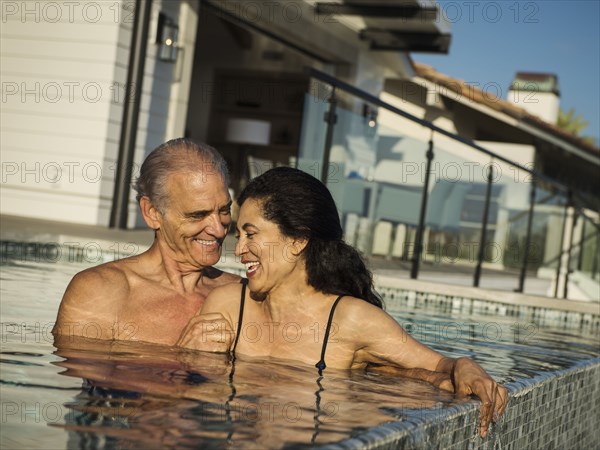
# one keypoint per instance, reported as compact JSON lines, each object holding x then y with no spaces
{"x":396,"y":25}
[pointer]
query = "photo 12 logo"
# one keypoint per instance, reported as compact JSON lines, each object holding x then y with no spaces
{"x":54,"y":172}
{"x":67,"y":12}
{"x":490,"y":12}
{"x":67,"y":92}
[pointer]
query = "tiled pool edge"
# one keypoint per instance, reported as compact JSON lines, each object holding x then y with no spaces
{"x":541,"y":310}
{"x":552,"y":410}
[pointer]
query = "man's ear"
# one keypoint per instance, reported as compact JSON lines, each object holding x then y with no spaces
{"x":150,"y":213}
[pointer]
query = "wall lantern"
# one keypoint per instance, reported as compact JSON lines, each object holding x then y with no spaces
{"x":166,"y":37}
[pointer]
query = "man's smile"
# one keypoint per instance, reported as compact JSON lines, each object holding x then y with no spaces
{"x":208,"y":242}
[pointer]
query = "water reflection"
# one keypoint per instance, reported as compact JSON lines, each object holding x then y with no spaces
{"x":123,"y":395}
{"x":142,"y":395}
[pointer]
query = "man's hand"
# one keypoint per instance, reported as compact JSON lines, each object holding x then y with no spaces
{"x":210,"y":332}
{"x":469,"y":378}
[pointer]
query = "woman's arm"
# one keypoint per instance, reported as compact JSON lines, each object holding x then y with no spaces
{"x":438,"y":379}
{"x":382,"y":340}
{"x":212,"y":329}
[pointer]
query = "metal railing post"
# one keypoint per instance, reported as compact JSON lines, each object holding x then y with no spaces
{"x":569,"y":253}
{"x":560,"y":254}
{"x":582,"y":241}
{"x":484,"y":223}
{"x":414,"y":272}
{"x":528,"y":237}
{"x":596,"y":257}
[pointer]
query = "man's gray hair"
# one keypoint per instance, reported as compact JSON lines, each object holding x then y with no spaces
{"x":176,"y":155}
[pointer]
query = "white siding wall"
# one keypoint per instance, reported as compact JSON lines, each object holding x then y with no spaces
{"x":60,"y":116}
{"x":64,"y":70}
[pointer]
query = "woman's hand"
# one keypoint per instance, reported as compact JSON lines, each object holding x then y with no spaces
{"x":210,"y":332}
{"x":469,"y":378}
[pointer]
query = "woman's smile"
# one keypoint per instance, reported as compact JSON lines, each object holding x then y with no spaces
{"x":251,"y":268}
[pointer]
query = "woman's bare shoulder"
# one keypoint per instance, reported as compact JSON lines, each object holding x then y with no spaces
{"x":355,"y":312}
{"x":357,"y":306}
{"x":223,"y":298}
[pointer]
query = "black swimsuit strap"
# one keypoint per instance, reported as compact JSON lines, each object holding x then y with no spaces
{"x":228,"y":416}
{"x":239,"y":327}
{"x":321,"y":364}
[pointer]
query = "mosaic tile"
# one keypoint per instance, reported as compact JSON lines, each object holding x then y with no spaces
{"x":568,"y":419}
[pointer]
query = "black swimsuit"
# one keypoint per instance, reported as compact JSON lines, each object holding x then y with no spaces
{"x":321,"y":364}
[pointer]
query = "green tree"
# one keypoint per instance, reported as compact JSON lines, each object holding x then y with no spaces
{"x":573,"y":123}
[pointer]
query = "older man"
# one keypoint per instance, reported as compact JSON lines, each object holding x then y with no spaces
{"x":183,"y":197}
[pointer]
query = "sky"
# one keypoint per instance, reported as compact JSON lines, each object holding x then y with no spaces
{"x":492,"y":40}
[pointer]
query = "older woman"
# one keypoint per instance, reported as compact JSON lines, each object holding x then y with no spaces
{"x":309,"y":297}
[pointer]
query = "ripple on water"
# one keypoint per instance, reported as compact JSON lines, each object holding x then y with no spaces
{"x":139,"y":395}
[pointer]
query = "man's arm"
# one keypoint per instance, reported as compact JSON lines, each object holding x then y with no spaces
{"x":90,"y":304}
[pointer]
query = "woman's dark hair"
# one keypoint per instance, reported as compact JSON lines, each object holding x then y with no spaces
{"x":303,"y":208}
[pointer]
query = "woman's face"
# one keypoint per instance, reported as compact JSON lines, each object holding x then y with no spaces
{"x":270,"y":257}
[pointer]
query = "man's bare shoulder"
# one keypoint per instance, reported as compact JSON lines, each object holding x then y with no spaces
{"x":103,"y":280}
{"x":92,"y":301}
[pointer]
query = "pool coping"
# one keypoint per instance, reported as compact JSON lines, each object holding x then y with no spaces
{"x":390,"y":433}
{"x":116,"y":243}
{"x":494,"y":296}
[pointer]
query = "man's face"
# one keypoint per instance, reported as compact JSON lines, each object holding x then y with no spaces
{"x":196,"y":218}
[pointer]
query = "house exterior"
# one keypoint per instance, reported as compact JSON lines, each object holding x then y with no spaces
{"x":66,"y":83}
{"x":90,"y":88}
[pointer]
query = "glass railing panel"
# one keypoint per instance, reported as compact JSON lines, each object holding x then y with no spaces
{"x":504,"y":245}
{"x":456,"y":203}
{"x":397,"y":178}
{"x":376,"y":170}
{"x":314,"y":129}
{"x":352,"y":161}
{"x":583,"y":277}
{"x":375,"y":176}
{"x":589,"y":261}
{"x":547,"y":230}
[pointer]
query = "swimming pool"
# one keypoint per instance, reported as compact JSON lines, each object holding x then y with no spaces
{"x":122,"y":395}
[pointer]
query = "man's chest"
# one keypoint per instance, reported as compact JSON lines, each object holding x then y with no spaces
{"x":159,"y":317}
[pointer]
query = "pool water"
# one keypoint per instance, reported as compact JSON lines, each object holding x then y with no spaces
{"x":93,"y":394}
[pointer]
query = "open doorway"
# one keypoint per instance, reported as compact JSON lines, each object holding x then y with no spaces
{"x":247,"y":96}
